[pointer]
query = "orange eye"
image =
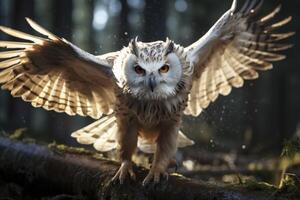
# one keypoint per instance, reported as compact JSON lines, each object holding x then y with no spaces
{"x":164,"y":69}
{"x":139,"y":70}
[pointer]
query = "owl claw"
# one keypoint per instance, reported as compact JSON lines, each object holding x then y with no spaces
{"x":155,"y":175}
{"x":173,"y":164}
{"x":124,"y":170}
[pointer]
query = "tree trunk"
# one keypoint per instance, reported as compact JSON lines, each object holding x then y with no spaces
{"x":155,"y":20}
{"x":124,"y":26}
{"x":48,"y":171}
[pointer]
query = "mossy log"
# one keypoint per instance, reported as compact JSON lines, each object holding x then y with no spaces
{"x":48,"y":171}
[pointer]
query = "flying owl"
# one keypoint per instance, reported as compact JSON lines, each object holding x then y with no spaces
{"x":139,"y":94}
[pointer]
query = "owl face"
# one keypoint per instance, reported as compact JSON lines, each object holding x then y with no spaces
{"x":149,"y":70}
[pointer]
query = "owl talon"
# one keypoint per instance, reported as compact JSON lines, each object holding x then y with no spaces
{"x":155,"y":176}
{"x":124,"y":170}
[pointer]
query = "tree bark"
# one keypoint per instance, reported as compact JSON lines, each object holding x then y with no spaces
{"x":48,"y":171}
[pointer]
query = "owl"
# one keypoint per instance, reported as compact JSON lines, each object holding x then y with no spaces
{"x":139,"y":94}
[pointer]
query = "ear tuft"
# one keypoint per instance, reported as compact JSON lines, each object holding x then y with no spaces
{"x":133,"y":46}
{"x":170,"y":46}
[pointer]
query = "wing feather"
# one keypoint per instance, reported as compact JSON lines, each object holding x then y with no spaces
{"x":11,"y":54}
{"x":41,"y":30}
{"x":15,"y":45}
{"x":238,"y":46}
{"x":211,"y":85}
{"x":203,"y":98}
{"x":10,"y":62}
{"x":21,"y":35}
{"x":222,"y":84}
{"x":55,"y":74}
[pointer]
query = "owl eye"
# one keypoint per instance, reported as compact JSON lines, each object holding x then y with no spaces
{"x":139,"y":70}
{"x":164,"y":69}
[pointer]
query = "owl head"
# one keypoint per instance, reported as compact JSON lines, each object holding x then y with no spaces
{"x":151,"y":70}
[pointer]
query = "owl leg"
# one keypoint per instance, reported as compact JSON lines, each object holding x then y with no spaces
{"x":127,"y":143}
{"x":124,"y":170}
{"x":165,"y":150}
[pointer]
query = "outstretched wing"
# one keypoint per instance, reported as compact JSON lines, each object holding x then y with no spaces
{"x":55,"y":74}
{"x":233,"y":50}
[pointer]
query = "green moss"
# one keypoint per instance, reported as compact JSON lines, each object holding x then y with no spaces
{"x":64,"y":148}
{"x":258,"y":186}
{"x":76,"y":150}
{"x":98,"y":156}
{"x":29,"y":141}
{"x":18,"y":134}
{"x":289,"y":189}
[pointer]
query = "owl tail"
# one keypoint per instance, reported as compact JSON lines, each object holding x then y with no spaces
{"x":102,"y":134}
{"x":148,"y":147}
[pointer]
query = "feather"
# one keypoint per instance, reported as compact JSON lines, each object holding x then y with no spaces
{"x":21,"y":35}
{"x":11,"y":54}
{"x":280,"y":36}
{"x":6,"y":75}
{"x":10,"y":62}
{"x":278,"y":24}
{"x":263,"y":55}
{"x":41,"y":30}
{"x":271,"y":14}
{"x":233,"y":50}
{"x":15,"y":45}
{"x":101,"y":133}
{"x":222,"y":83}
{"x":264,"y":46}
{"x":39,"y":75}
{"x":211,"y":86}
{"x":51,"y":93}
{"x":202,"y":92}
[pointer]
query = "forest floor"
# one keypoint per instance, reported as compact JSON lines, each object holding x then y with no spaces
{"x":277,"y":175}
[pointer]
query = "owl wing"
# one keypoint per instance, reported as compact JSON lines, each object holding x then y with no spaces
{"x":55,"y":74}
{"x":240,"y":44}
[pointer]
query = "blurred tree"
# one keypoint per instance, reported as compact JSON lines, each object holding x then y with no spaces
{"x":124,"y":27}
{"x":62,"y":13}
{"x":155,"y":13}
{"x":2,"y":12}
{"x":83,"y":32}
{"x":17,"y":109}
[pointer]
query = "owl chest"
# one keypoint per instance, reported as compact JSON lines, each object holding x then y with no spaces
{"x":151,"y":113}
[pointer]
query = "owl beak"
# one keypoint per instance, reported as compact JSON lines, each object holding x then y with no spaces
{"x":152,"y":83}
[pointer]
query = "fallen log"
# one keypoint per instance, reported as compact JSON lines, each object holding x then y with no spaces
{"x":49,"y":171}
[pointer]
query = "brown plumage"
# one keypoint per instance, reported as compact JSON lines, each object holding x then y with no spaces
{"x":249,"y":44}
{"x":144,"y":88}
{"x":49,"y":73}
